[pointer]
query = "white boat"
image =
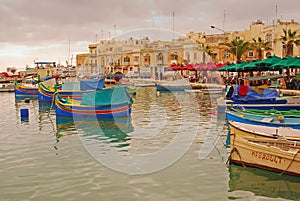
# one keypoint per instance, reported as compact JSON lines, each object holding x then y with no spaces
{"x":205,"y":91}
{"x":176,"y":85}
{"x":257,"y":131}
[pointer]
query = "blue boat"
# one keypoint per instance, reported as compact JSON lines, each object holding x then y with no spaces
{"x":264,"y":120}
{"x":47,"y":94}
{"x":106,"y":103}
{"x":22,"y":90}
{"x":257,"y":98}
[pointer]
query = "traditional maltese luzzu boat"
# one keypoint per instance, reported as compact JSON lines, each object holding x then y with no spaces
{"x":107,"y":103}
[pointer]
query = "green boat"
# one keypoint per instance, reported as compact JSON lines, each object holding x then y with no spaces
{"x":271,"y":112}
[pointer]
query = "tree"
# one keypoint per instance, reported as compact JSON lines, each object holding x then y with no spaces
{"x":259,"y":45}
{"x":238,"y":48}
{"x":206,"y":49}
{"x":289,"y":39}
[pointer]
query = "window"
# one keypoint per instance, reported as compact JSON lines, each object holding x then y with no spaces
{"x":238,"y":37}
{"x":250,"y":54}
{"x":226,"y":53}
{"x":126,"y":59}
{"x":147,"y":59}
{"x":188,"y":57}
{"x":174,"y":56}
{"x":160,"y":57}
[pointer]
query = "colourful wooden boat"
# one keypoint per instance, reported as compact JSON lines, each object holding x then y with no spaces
{"x":279,"y":155}
{"x":47,"y":93}
{"x":271,"y":112}
{"x":263,"y":120}
{"x":257,"y":98}
{"x":107,"y":103}
{"x":257,"y":131}
{"x":23,"y":90}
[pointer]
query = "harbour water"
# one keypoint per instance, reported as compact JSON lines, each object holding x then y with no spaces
{"x":172,"y":148}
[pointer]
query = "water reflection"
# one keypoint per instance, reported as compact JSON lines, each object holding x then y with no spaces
{"x":46,"y":106}
{"x":111,"y":130}
{"x":263,"y":183}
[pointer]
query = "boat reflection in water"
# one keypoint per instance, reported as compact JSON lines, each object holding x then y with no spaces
{"x":46,"y":106}
{"x":263,"y":183}
{"x":112,"y":131}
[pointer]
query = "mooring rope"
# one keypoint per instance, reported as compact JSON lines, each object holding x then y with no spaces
{"x":290,"y":162}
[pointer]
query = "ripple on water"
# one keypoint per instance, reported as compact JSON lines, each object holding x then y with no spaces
{"x":44,"y":160}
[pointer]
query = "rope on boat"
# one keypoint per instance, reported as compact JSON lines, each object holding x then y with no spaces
{"x":52,"y":103}
{"x":234,"y":150}
{"x":290,"y":162}
{"x":238,"y":153}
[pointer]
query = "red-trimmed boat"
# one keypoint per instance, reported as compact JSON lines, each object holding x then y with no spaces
{"x":106,"y":103}
{"x":23,"y":90}
{"x":47,"y":93}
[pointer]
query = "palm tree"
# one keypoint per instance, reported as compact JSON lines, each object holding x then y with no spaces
{"x":259,"y":45}
{"x":238,"y":48}
{"x":206,"y":49}
{"x":289,"y":39}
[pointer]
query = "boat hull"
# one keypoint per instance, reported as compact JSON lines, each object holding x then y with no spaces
{"x":250,"y":153}
{"x":48,"y":95}
{"x":21,"y":90}
{"x":256,"y":131}
{"x":172,"y":88}
{"x":262,"y":120}
{"x":71,"y":110}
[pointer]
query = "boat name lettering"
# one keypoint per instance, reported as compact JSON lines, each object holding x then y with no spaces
{"x":267,"y":157}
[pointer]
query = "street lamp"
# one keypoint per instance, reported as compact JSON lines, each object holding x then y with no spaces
{"x":236,"y":63}
{"x":213,"y":27}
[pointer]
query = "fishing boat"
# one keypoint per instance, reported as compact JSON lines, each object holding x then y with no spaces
{"x":279,"y":155}
{"x":271,"y":112}
{"x":73,"y":90}
{"x":177,"y":85}
{"x":106,"y":103}
{"x":257,"y":131}
{"x":25,"y":90}
{"x":257,"y":98}
{"x":207,"y":91}
{"x":7,"y":87}
{"x":263,"y":120}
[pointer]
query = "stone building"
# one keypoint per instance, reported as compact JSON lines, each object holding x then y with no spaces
{"x":271,"y":33}
{"x":138,"y":55}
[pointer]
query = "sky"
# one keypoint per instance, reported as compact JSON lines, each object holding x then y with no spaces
{"x":57,"y":30}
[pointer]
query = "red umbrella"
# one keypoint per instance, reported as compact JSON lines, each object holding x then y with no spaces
{"x":201,"y":66}
{"x":220,"y":65}
{"x":211,"y":66}
{"x":174,"y":67}
{"x":189,"y":67}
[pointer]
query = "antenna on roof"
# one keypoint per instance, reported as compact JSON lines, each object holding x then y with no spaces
{"x":173,"y":25}
{"x":276,"y":13}
{"x":224,"y":20}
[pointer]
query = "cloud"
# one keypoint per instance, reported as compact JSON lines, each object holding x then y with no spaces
{"x":34,"y":23}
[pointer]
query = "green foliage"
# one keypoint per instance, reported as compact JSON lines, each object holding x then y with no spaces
{"x":290,"y":38}
{"x":238,"y":48}
{"x":259,"y":45}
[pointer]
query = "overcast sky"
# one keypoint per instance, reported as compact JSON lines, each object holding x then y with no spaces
{"x":41,"y":29}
